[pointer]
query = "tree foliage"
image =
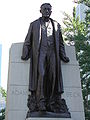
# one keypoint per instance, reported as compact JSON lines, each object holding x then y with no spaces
{"x":86,"y":2}
{"x":2,"y":111}
{"x":2,"y":116}
{"x":3,"y":92}
{"x":79,"y":32}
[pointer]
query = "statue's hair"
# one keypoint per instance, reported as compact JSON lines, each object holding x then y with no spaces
{"x":45,"y":4}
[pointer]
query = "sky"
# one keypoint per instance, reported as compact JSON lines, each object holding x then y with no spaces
{"x":15,"y":17}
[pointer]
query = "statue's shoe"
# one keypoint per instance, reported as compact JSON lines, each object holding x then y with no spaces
{"x":41,"y":106}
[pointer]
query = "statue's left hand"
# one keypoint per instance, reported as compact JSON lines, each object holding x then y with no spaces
{"x":24,"y":58}
{"x":66,"y":59}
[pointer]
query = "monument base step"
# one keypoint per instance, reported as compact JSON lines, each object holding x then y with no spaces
{"x":49,"y":119}
{"x":46,"y":114}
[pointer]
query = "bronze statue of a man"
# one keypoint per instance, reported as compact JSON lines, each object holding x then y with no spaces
{"x":44,"y":46}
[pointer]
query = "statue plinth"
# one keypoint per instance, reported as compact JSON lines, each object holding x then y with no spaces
{"x":49,"y":119}
{"x":17,"y":93}
{"x":46,"y":114}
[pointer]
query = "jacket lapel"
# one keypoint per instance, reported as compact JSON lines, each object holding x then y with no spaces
{"x":55,"y":28}
{"x":39,"y":29}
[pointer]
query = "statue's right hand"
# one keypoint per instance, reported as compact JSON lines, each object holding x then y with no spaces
{"x":24,"y":58}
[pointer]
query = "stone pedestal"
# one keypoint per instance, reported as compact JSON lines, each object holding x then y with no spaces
{"x":18,"y":81}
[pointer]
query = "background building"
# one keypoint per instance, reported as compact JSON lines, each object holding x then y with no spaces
{"x":80,"y":11}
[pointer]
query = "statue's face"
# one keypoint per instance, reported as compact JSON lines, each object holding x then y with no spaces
{"x":46,"y":10}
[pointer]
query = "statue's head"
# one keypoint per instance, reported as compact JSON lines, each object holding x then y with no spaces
{"x":46,"y":9}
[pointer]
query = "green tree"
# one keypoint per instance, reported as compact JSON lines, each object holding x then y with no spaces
{"x":86,"y":2}
{"x":2,"y":116}
{"x":3,"y":92}
{"x":86,"y":80}
{"x":78,"y":32}
{"x":2,"y":111}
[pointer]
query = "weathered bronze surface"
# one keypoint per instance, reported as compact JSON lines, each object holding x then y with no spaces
{"x":44,"y":46}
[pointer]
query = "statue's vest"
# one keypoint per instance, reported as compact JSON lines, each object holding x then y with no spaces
{"x":47,"y":39}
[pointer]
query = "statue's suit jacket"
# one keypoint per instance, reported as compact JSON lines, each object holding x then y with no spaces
{"x":31,"y":49}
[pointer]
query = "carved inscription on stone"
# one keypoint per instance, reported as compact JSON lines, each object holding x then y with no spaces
{"x":17,"y":91}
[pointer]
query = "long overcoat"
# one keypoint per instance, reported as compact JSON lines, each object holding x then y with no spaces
{"x":31,"y":49}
